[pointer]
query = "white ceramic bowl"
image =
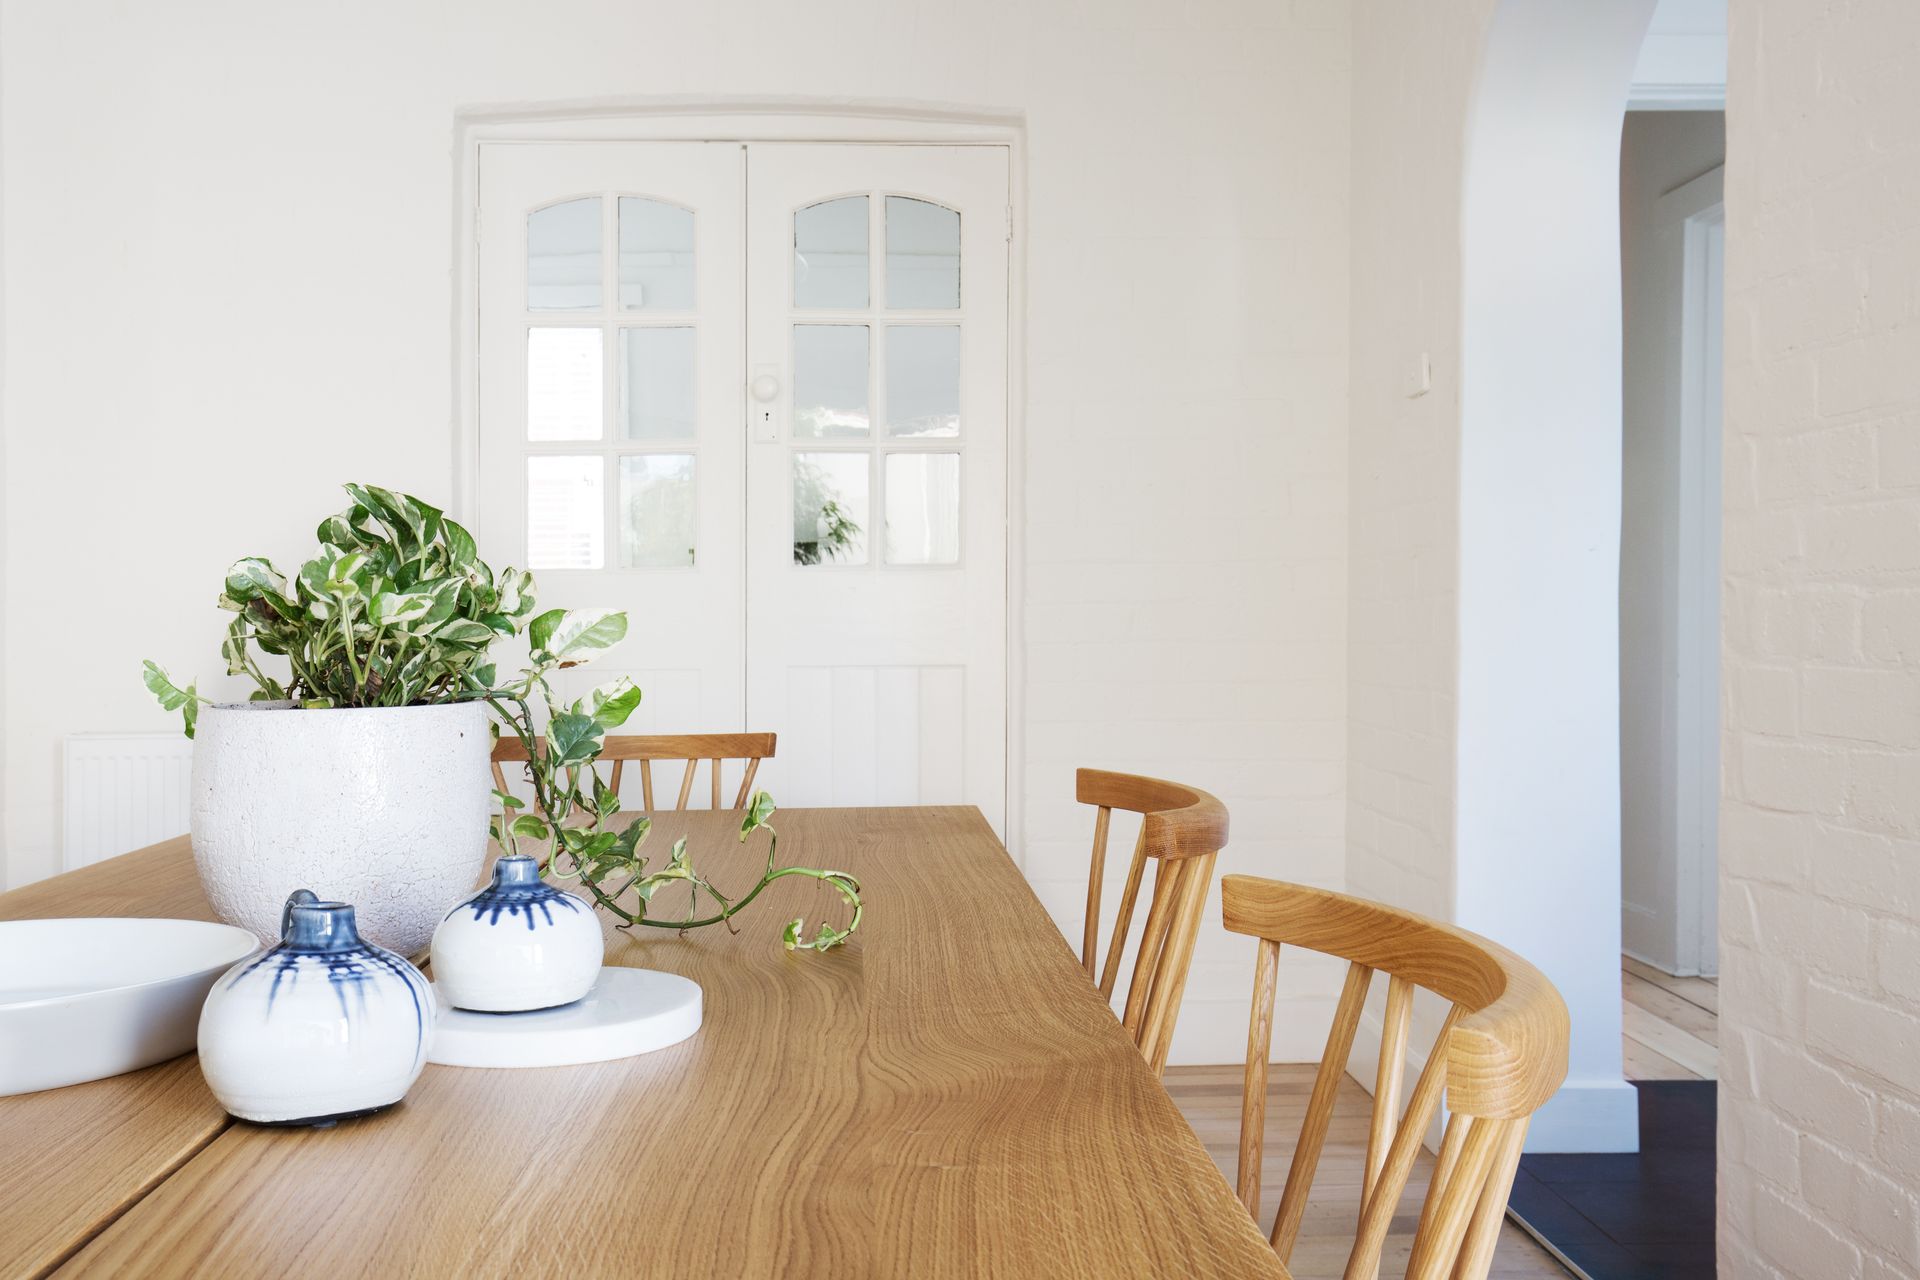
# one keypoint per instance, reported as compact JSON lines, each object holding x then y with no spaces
{"x":87,"y":998}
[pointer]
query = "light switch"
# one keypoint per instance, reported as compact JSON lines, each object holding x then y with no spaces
{"x":1419,"y":379}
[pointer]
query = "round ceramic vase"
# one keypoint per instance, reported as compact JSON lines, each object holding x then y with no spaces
{"x":321,"y":1027}
{"x":383,"y":807}
{"x":518,"y":944}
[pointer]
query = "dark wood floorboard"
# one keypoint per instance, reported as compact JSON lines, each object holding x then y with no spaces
{"x":1647,"y":1216}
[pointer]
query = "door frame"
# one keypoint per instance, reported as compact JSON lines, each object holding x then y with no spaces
{"x":750,"y":120}
{"x":1699,"y":205}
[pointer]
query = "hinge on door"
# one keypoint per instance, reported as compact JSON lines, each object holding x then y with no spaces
{"x":1009,"y":222}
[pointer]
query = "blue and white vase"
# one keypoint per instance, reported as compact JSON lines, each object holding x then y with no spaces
{"x":319,"y":1028}
{"x":518,"y":944}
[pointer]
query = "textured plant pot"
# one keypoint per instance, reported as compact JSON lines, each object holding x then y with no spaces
{"x":383,"y":807}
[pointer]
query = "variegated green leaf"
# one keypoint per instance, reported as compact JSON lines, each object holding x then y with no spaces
{"x":540,"y":630}
{"x":253,"y":577}
{"x":613,"y":704}
{"x":759,"y":809}
{"x":393,"y":609}
{"x":606,"y":801}
{"x":339,"y":531}
{"x":172,"y":697}
{"x":464,"y":631}
{"x":531,"y":827}
{"x":579,"y":631}
{"x":573,"y":739}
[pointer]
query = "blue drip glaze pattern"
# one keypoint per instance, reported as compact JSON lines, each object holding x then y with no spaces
{"x":518,"y":892}
{"x":321,"y":936}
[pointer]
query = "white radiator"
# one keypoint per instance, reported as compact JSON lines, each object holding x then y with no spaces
{"x":122,"y":791}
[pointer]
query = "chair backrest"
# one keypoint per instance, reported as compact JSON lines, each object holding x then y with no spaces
{"x":644,"y":749}
{"x":1500,"y":1054}
{"x":1182,"y":829}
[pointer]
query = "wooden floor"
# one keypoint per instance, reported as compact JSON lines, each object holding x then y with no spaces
{"x":1671,"y":1024}
{"x":1210,"y":1099}
{"x":1671,"y":1033}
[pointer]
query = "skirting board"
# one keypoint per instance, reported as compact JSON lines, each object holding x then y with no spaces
{"x":1585,"y":1116}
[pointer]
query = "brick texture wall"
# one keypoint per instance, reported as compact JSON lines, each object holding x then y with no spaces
{"x":1412,"y":71}
{"x":1186,"y":481}
{"x":1413,"y":68}
{"x":1820,"y":821}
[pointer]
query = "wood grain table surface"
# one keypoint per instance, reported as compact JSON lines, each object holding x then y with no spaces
{"x":947,"y":1095}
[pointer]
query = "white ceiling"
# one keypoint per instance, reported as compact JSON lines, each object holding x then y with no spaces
{"x":1683,"y":64}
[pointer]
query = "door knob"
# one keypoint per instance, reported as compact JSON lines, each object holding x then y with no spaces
{"x":765,"y":387}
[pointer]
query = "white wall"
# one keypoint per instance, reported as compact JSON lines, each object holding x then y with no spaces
{"x":1660,"y":152}
{"x":1820,"y":822}
{"x":1485,"y":513}
{"x":1412,"y":80}
{"x":1538,"y":825}
{"x":228,"y":270}
{"x":1413,"y":73}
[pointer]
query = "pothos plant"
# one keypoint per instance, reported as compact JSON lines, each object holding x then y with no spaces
{"x":398,"y":609}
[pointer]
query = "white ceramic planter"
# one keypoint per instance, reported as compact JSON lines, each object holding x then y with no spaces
{"x":321,"y":1027}
{"x":518,"y":944}
{"x":385,"y":808}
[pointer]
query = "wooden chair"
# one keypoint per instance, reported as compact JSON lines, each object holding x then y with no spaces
{"x":716,"y":748}
{"x":1183,"y":830}
{"x":1500,"y":1054}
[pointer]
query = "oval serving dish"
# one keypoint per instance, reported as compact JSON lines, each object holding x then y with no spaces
{"x":86,"y":998}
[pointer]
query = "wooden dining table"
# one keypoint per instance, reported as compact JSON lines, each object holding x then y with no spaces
{"x":946,"y":1095}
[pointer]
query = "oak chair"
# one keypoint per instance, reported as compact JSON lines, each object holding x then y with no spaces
{"x":1182,"y":830}
{"x":1500,"y":1054}
{"x":644,"y":749}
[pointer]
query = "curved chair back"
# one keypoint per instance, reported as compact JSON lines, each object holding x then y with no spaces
{"x":716,"y":748}
{"x":1182,"y":830}
{"x":1500,"y":1054}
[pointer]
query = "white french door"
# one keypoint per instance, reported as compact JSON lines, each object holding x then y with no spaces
{"x":611,"y":459}
{"x":755,"y":394}
{"x":876,"y":511}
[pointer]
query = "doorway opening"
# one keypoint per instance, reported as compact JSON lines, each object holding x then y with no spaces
{"x":1543,"y":462}
{"x":1671,"y":249}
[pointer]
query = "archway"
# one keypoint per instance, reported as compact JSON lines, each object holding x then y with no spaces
{"x":1537,"y":833}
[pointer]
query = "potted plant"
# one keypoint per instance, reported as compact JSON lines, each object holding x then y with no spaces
{"x":361,"y":770}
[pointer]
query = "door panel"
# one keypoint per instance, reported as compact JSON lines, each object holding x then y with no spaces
{"x":885,"y":735}
{"x":611,"y":461}
{"x":756,"y":396}
{"x":877,"y":308}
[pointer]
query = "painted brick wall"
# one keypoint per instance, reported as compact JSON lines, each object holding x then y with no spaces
{"x":1820,"y":825}
{"x":1186,"y":516}
{"x":1413,"y":69}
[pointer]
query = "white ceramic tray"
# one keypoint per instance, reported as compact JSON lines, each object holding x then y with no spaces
{"x":82,"y":999}
{"x":628,"y":1011}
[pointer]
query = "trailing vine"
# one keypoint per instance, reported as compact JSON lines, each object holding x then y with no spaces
{"x":580,"y":830}
{"x":398,"y":609}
